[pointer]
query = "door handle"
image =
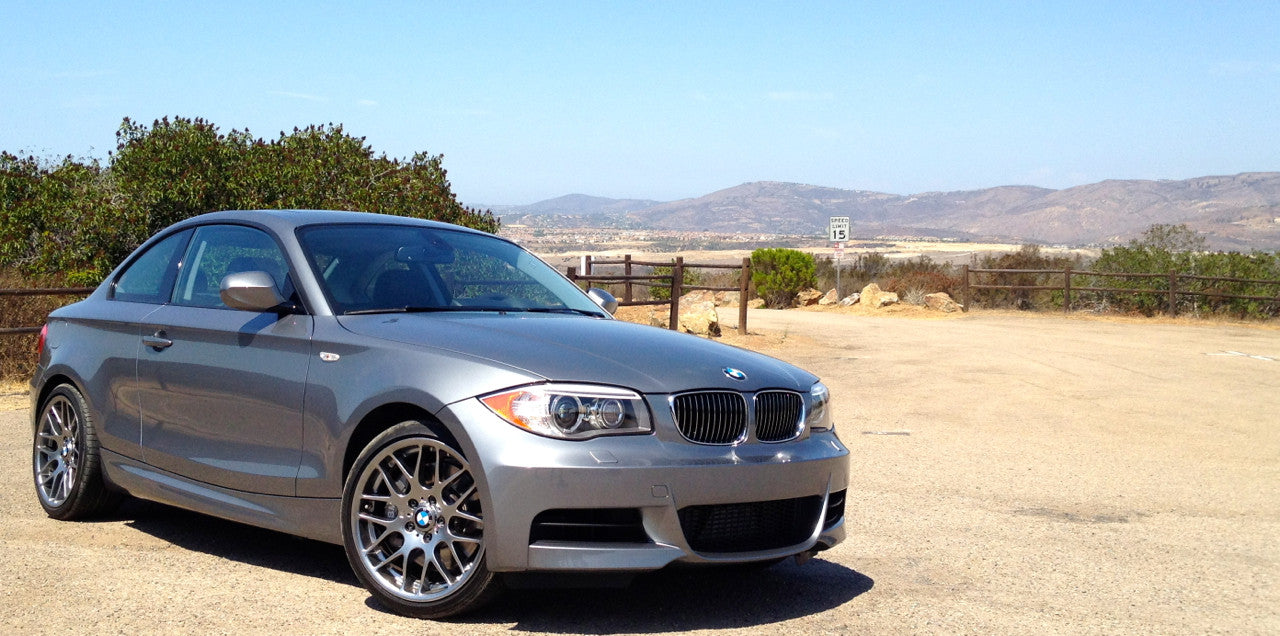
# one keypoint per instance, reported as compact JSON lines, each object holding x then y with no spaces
{"x":157,"y":341}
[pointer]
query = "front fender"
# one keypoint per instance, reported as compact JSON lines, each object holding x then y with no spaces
{"x":357,"y":375}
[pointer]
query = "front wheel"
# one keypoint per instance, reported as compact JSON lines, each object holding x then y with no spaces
{"x":413,"y":525}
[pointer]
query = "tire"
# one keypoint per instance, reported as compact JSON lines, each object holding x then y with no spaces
{"x":66,"y":461}
{"x":413,"y":526}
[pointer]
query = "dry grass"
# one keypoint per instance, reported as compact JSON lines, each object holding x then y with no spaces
{"x":18,"y":353}
{"x":13,"y":396}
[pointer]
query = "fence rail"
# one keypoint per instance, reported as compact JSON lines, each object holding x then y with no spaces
{"x":675,"y":283}
{"x":39,"y":291}
{"x":1172,"y":289}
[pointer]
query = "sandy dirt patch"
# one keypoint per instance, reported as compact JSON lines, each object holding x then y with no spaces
{"x":1010,"y":475}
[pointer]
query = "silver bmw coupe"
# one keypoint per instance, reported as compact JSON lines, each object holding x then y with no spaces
{"x":437,"y":400}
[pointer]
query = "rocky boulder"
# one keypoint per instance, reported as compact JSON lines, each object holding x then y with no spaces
{"x":942,"y":302}
{"x":872,"y":296}
{"x":755,"y":303}
{"x":850,"y":300}
{"x":808,"y":297}
{"x":697,"y":296}
{"x":700,"y":319}
{"x":658,"y":317}
{"x":725,"y":299}
{"x":830,"y":299}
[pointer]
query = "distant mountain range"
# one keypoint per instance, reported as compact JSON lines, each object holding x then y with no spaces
{"x":1238,"y":212}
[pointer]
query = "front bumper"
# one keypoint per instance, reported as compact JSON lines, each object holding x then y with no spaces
{"x":521,"y":475}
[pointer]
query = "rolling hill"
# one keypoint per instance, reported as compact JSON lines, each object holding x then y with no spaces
{"x":1234,"y":212}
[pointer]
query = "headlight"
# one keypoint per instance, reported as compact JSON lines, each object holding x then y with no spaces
{"x":818,"y":416}
{"x":572,"y":411}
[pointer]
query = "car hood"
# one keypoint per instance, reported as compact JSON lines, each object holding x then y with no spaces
{"x":579,"y":349}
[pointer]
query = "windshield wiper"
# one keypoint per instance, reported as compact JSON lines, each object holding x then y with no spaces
{"x":562,"y":310}
{"x":423,"y":310}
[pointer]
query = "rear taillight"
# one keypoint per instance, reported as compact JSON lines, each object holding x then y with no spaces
{"x":44,"y":331}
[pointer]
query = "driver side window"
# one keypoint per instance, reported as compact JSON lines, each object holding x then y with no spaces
{"x":218,"y":250}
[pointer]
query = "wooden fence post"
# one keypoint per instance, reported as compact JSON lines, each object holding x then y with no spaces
{"x":743,"y":280}
{"x":572,"y":274}
{"x":677,"y":281}
{"x":964,"y":287}
{"x":586,"y":265}
{"x":1173,"y":292}
{"x":626,"y":271}
{"x":1066,"y":290}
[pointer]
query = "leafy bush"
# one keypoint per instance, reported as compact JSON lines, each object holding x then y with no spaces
{"x":18,"y":353}
{"x":1163,"y":249}
{"x":855,"y":272}
{"x":1027,"y":257}
{"x":778,"y":274}
{"x":662,"y":291}
{"x":920,"y":282}
{"x":76,"y":219}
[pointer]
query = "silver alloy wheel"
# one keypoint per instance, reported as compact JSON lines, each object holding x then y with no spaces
{"x":57,"y":455}
{"x":416,"y":519}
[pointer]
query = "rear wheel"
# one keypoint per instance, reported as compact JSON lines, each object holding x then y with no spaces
{"x":413,"y":525}
{"x":66,"y":461}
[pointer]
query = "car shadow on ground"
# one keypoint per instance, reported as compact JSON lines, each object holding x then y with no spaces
{"x":237,"y":542}
{"x":682,"y":599}
{"x":675,"y":599}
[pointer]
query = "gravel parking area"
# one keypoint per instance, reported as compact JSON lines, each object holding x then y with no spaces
{"x":1012,"y":474}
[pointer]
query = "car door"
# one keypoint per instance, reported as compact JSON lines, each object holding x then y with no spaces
{"x":141,"y":287}
{"x":221,"y":390}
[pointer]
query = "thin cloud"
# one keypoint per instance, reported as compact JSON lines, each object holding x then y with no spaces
{"x":366,"y":102}
{"x":306,"y":96}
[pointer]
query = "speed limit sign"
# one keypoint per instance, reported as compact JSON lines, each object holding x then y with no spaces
{"x":838,"y":230}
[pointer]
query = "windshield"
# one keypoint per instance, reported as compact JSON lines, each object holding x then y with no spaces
{"x":386,"y":268}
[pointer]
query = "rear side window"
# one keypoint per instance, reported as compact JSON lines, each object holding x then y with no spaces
{"x":218,"y":250}
{"x":150,"y":276}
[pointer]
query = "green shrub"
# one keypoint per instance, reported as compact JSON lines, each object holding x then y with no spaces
{"x":662,"y":291}
{"x":917,"y":283}
{"x":779,"y":274}
{"x":1027,"y":257}
{"x":76,"y":219}
{"x":1165,"y":248}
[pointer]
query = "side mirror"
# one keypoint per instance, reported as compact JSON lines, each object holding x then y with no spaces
{"x":250,"y":291}
{"x":603,"y":298}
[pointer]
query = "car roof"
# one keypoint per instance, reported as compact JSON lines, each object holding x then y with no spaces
{"x":285,"y":221}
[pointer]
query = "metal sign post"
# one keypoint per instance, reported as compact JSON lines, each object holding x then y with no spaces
{"x":838,"y":231}
{"x":839,"y":262}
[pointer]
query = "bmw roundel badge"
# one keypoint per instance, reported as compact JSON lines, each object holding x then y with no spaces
{"x":734,"y":374}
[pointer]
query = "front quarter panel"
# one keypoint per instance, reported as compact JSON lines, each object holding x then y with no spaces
{"x":369,"y":373}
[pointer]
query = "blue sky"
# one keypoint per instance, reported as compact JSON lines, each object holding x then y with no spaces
{"x":666,"y":100}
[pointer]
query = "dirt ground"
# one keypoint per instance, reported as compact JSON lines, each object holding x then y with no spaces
{"x":1011,"y":474}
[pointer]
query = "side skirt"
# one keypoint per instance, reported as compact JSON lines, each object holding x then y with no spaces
{"x":313,"y":518}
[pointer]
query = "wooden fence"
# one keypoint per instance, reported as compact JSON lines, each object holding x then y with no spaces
{"x":47,"y":291}
{"x":1173,"y":285}
{"x":674,"y":283}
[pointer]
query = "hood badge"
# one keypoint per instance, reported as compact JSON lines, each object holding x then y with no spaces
{"x":734,"y":374}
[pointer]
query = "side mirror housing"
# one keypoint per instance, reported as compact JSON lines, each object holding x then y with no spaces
{"x":603,"y":298}
{"x":251,"y":291}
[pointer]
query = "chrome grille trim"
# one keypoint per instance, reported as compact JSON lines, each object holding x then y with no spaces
{"x":779,"y":416}
{"x":711,"y":417}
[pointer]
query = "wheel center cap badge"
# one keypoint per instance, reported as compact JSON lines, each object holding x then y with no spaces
{"x":734,"y":374}
{"x":423,"y":518}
